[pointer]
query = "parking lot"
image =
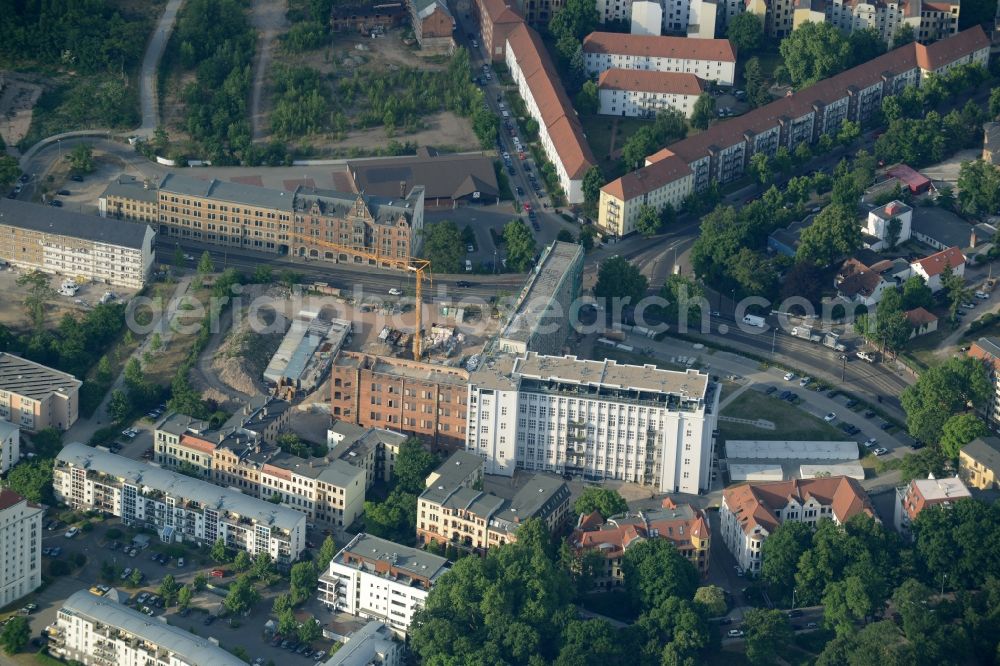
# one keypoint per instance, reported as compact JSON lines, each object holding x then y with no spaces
{"x":113,"y":556}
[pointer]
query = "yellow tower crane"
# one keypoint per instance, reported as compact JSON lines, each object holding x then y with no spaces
{"x":419,"y":267}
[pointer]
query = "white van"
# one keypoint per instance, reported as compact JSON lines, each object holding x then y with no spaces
{"x":468,"y":266}
{"x":754,"y":320}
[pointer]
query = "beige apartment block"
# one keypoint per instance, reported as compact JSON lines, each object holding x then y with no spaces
{"x":34,"y":397}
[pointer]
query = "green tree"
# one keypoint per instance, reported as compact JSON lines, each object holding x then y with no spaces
{"x":219,"y":552}
{"x":712,"y":598}
{"x":47,"y":442}
{"x":310,"y":631}
{"x":81,"y":158}
{"x":135,"y":580}
{"x":959,"y":430}
{"x":169,"y":590}
{"x":263,"y":566}
{"x":242,"y":561}
{"x":36,"y":293}
{"x":955,"y":544}
{"x":916,"y":293}
{"x":760,"y":167}
{"x":903,"y":36}
{"x":653,"y":571}
{"x":781,"y":553}
{"x":954,"y":287}
{"x":565,"y":236}
{"x":753,"y":274}
{"x":184,"y":596}
{"x":414,"y":463}
{"x":766,"y":632}
{"x":281,"y":603}
{"x":205,"y":265}
{"x":9,"y":170}
{"x":979,"y":188}
{"x":592,"y":643}
{"x":327,"y":551}
{"x":263,"y":274}
{"x":287,"y":624}
{"x":849,"y":132}
{"x":394,"y":518}
{"x":746,"y":32}
{"x":605,"y":501}
{"x":617,"y":278}
{"x":443,"y":247}
{"x":242,"y":596}
{"x":703,"y":111}
{"x":520,"y":244}
{"x":834,"y":233}
{"x":587,"y":101}
{"x":119,"y":406}
{"x":648,"y":221}
{"x":940,"y":392}
{"x":683,"y":295}
{"x":593,"y":180}
{"x":199,"y":582}
{"x":753,"y":80}
{"x":814,"y":51}
{"x":576,"y":19}
{"x":32,"y":479}
{"x":16,"y":634}
{"x":509,"y":607}
{"x":302,"y":579}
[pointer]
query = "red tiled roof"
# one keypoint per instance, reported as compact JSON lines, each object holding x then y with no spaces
{"x":500,"y":12}
{"x":856,"y":278}
{"x":756,"y":503}
{"x":558,"y":116}
{"x":9,"y":498}
{"x":613,"y":537}
{"x":920,"y":317}
{"x":634,"y":183}
{"x":656,"y":46}
{"x":934,"y":264}
{"x":730,"y":132}
{"x":913,"y":178}
{"x":677,"y":83}
{"x":197,"y":444}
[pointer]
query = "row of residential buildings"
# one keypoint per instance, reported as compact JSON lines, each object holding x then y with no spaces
{"x":300,"y":223}
{"x":81,"y":247}
{"x":722,"y":153}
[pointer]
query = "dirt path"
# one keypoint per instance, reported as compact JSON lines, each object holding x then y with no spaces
{"x":269,"y":20}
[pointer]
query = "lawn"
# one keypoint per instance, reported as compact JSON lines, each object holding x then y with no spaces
{"x":790,"y":423}
{"x":599,"y":131}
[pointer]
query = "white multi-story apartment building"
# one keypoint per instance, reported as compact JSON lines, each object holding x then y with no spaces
{"x":696,"y":18}
{"x":929,"y":20}
{"x":35,"y":397}
{"x":10,"y":445}
{"x":98,"y":631}
{"x":559,"y":128}
{"x":178,"y":507}
{"x":21,"y":545}
{"x":595,"y":419}
{"x":750,"y":513}
{"x":380,"y":580}
{"x":708,"y":59}
{"x":78,"y":246}
{"x":635,"y":92}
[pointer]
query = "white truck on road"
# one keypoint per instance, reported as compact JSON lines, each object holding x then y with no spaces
{"x":753,"y":320}
{"x":832,"y":340}
{"x":806,"y":333}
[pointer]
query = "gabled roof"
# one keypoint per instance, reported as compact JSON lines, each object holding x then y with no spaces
{"x":856,"y":278}
{"x":640,"y":80}
{"x":944,"y":51}
{"x":756,"y":504}
{"x":918,"y":317}
{"x":656,"y":46}
{"x":935,"y":264}
{"x":558,"y":116}
{"x":501,"y":12}
{"x":647,"y":179}
{"x":985,"y":451}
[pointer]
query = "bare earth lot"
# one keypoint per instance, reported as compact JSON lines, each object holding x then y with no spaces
{"x":17,"y":99}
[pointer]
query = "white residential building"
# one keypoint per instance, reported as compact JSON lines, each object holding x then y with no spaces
{"x":21,"y":545}
{"x":708,"y":59}
{"x":559,"y":128}
{"x":931,"y":268}
{"x":99,"y":631}
{"x":380,"y":580}
{"x":78,"y":246}
{"x":372,"y":645}
{"x":634,"y":92}
{"x":178,"y":507}
{"x":596,"y":419}
{"x":751,"y":512}
{"x":10,"y":445}
{"x":877,"y":227}
{"x":696,"y":18}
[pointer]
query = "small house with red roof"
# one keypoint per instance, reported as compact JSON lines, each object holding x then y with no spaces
{"x":930,"y":268}
{"x":915,"y":181}
{"x":922,"y":321}
{"x":686,"y":527}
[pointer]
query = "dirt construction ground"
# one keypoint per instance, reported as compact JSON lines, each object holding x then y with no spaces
{"x":17,"y":99}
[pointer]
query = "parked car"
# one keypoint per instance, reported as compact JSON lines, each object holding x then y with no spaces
{"x":829,"y":418}
{"x":870,"y":442}
{"x":880,"y":451}
{"x":77,"y":178}
{"x":394,"y":291}
{"x":63,"y":193}
{"x":735,"y":633}
{"x":789,"y":376}
{"x":141,"y":599}
{"x":180,"y":562}
{"x":72,"y":532}
{"x":784,"y":395}
{"x":217,"y":573}
{"x":463,"y":284}
{"x":55,"y":203}
{"x":885,"y":426}
{"x":126,"y":573}
{"x":982,"y":295}
{"x":792,"y":397}
{"x":869,"y":413}
{"x":209,"y":619}
{"x":804,"y":382}
{"x":55,"y":551}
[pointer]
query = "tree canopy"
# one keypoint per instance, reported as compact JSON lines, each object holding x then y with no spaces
{"x":413,"y":464}
{"x":942,"y":391}
{"x":654,"y":570}
{"x":618,"y":278}
{"x":520,"y":245}
{"x":833,"y":234}
{"x":959,"y":430}
{"x":443,"y":247}
{"x":746,"y":32}
{"x":605,"y":501}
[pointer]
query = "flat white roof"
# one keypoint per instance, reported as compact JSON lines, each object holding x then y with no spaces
{"x":853,"y":470}
{"x":753,"y":449}
{"x":756,"y":472}
{"x":950,"y":488}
